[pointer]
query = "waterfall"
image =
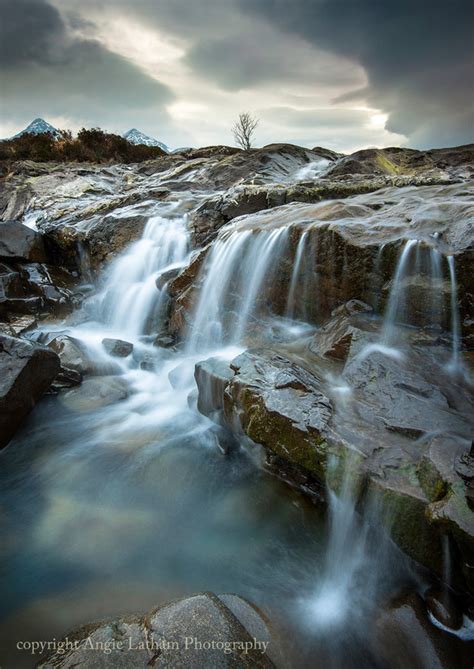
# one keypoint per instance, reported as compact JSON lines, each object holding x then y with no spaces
{"x":455,"y":325}
{"x":397,"y":295}
{"x":290,"y":304}
{"x":240,"y":262}
{"x":129,"y":297}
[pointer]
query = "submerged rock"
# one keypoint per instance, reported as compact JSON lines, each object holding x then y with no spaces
{"x":117,"y":347}
{"x":27,"y":371}
{"x":204,"y":630}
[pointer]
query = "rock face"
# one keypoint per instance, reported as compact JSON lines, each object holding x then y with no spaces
{"x":398,"y":427}
{"x":31,"y":280}
{"x":350,"y":250}
{"x":205,"y":630}
{"x":27,"y":372}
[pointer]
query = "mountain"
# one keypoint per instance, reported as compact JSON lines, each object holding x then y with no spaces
{"x":38,"y":127}
{"x":134,"y":136}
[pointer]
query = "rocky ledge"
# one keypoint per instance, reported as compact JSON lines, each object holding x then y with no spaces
{"x":334,"y":408}
{"x":205,"y":630}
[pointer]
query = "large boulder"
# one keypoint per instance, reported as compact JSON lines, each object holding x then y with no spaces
{"x":18,"y":242}
{"x":27,"y":371}
{"x":204,"y":630}
{"x":276,"y":403}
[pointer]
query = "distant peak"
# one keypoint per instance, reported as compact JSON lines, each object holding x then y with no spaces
{"x":135,"y":136}
{"x":39,"y":126}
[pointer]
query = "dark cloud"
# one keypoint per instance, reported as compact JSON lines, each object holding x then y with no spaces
{"x":29,"y":31}
{"x":264,"y":57}
{"x":47,"y":70}
{"x":418,"y":56}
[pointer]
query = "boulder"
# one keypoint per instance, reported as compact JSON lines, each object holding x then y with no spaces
{"x":204,"y":630}
{"x":276,"y":403}
{"x":27,"y":371}
{"x":117,"y":347}
{"x":94,"y":393}
{"x":74,"y":355}
{"x":18,"y":242}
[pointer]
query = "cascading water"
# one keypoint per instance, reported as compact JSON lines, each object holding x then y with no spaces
{"x":240,"y":262}
{"x":455,"y":326}
{"x":397,"y":295}
{"x":291,"y":301}
{"x":130,"y":294}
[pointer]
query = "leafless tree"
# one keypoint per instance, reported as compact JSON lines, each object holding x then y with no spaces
{"x":244,"y":129}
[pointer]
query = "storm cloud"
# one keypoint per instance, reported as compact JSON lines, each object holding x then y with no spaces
{"x":348,"y":73}
{"x":48,"y":69}
{"x":418,"y":56}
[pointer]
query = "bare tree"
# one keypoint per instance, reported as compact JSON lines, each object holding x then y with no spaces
{"x":244,"y":129}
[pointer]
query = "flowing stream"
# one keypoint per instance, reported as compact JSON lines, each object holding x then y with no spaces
{"x":117,"y":498}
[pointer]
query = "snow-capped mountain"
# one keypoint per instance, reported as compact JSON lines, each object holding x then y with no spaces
{"x":134,"y":136}
{"x":38,"y":127}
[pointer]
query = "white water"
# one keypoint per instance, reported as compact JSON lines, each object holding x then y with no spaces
{"x":396,"y":299}
{"x":233,"y":276}
{"x":130,"y":293}
{"x":312,"y":170}
{"x":291,"y":301}
{"x":455,"y":326}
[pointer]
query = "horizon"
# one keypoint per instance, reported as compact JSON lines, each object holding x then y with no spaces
{"x":337,"y":74}
{"x":134,"y":128}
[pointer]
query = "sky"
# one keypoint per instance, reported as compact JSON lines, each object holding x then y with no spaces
{"x":344,"y":74}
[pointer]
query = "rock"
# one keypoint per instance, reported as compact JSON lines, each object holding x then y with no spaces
{"x":95,"y":392}
{"x":204,"y":630}
{"x":402,"y":395}
{"x":402,"y":161}
{"x":335,"y":338}
{"x":27,"y":371}
{"x":18,"y":242}
{"x":276,"y":403}
{"x":117,"y":347}
{"x":404,"y":638}
{"x":67,"y":378}
{"x":441,"y":604}
{"x":74,"y":355}
{"x":212,"y":377}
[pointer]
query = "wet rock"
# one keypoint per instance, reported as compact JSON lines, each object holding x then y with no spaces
{"x":404,"y":638}
{"x":164,"y":341}
{"x":334,"y":340}
{"x":402,"y":395}
{"x":18,"y":242}
{"x":27,"y":371}
{"x":74,"y":355}
{"x":67,"y":378}
{"x":94,"y":393}
{"x":110,"y":235}
{"x":21,"y":324}
{"x":395,"y":161}
{"x":204,"y":630}
{"x":441,"y":605}
{"x":212,"y":376}
{"x":275,"y":402}
{"x":117,"y":347}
